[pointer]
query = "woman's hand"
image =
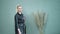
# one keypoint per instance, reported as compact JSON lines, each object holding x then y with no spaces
{"x":19,"y":31}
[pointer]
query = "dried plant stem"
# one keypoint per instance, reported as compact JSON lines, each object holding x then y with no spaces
{"x":39,"y":21}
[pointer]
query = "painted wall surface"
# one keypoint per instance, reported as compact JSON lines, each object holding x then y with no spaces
{"x":8,"y":10}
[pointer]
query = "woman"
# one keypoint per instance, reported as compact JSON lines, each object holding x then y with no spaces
{"x":19,"y":21}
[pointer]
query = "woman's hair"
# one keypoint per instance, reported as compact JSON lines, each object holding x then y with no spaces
{"x":18,"y":6}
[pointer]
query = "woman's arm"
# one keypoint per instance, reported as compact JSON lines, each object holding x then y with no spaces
{"x":16,"y":21}
{"x":16,"y":24}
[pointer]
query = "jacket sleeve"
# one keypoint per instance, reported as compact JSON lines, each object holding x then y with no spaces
{"x":16,"y":21}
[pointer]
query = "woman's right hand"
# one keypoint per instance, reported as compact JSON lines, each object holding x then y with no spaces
{"x":19,"y":31}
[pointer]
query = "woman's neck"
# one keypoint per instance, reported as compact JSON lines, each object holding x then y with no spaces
{"x":19,"y":12}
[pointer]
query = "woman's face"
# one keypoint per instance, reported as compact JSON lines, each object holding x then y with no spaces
{"x":19,"y":9}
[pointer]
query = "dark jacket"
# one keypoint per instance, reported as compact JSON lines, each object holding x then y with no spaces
{"x":19,"y":18}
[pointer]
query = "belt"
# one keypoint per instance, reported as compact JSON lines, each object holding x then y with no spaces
{"x":21,"y":24}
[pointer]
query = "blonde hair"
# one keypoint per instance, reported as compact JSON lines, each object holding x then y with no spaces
{"x":18,"y":6}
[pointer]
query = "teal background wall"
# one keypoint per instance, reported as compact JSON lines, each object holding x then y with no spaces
{"x":8,"y":10}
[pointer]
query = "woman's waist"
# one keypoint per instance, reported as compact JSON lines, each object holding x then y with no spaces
{"x":21,"y":24}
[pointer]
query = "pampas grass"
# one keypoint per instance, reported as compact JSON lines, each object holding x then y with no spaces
{"x":40,"y":18}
